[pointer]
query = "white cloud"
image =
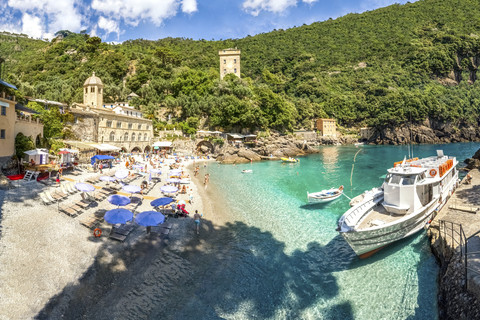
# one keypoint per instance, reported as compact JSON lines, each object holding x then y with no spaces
{"x":42,"y":18}
{"x":110,"y":26}
{"x":132,"y":12}
{"x":254,"y":7}
{"x":32,"y":25}
{"x":189,"y":6}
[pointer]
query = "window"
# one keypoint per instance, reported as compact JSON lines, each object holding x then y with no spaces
{"x":4,"y":111}
{"x":86,"y":90}
{"x":100,"y":90}
{"x":234,"y":60}
{"x":133,"y":136}
{"x":92,"y":89}
{"x":139,"y":137}
{"x":2,"y":134}
{"x":112,"y":136}
{"x":130,"y":126}
{"x":145,"y":137}
{"x":224,"y":61}
{"x":139,"y":127}
{"x":235,"y":70}
{"x":119,"y":124}
{"x":109,"y":123}
{"x":125,"y":136}
{"x":224,"y":70}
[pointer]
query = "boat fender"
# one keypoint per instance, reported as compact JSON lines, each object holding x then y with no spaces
{"x":433,"y":172}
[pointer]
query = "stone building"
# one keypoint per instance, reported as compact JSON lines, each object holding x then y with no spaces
{"x":327,"y":127}
{"x":229,"y":62}
{"x":116,"y":124}
{"x":15,"y":119}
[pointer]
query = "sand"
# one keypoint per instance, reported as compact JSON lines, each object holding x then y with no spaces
{"x":52,"y":266}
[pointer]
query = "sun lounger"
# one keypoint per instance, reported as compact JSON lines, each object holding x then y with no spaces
{"x":45,"y":199}
{"x":70,"y":210}
{"x":54,"y":195}
{"x":118,"y":237}
{"x":90,"y":221}
{"x":82,"y":203}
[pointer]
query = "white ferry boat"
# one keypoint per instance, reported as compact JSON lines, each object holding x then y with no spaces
{"x":413,"y":191}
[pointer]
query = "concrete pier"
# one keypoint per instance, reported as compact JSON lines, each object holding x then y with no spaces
{"x":463,"y":208}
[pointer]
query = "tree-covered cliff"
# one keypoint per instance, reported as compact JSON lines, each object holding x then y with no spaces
{"x":402,"y":63}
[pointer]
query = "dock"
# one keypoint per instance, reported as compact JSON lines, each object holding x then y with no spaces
{"x":457,"y":223}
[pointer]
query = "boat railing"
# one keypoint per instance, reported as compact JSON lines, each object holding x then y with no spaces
{"x":356,"y":212}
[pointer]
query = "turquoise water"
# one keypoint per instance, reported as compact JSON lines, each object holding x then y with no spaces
{"x":285,"y":259}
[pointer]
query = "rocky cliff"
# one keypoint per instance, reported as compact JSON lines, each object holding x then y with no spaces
{"x":427,"y":132}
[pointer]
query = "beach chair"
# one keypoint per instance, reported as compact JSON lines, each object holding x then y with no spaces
{"x":82,"y":204}
{"x":55,"y":196}
{"x":90,"y":221}
{"x":71,"y":188}
{"x":70,"y":210}
{"x":45,"y":199}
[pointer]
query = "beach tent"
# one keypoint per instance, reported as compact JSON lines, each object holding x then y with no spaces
{"x":40,"y":156}
{"x":101,"y":157}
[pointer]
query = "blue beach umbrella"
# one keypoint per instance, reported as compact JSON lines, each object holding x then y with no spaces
{"x":121,"y":174}
{"x":169,"y":189}
{"x":130,"y":188}
{"x":119,"y":215}
{"x":161,"y":202}
{"x":107,"y":178}
{"x":149,"y":218}
{"x":84,"y":187}
{"x":118,"y":200}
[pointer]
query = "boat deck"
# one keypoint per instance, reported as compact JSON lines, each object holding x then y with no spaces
{"x":378,"y":216}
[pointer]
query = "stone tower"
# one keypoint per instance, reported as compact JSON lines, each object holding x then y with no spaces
{"x":229,"y":62}
{"x":93,"y":92}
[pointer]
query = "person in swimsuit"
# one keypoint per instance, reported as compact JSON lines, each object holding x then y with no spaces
{"x":197,"y":217}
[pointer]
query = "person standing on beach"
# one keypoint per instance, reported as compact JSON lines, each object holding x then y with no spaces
{"x":197,"y":217}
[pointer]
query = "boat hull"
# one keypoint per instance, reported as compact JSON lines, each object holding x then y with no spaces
{"x":322,"y":200}
{"x":368,"y":240}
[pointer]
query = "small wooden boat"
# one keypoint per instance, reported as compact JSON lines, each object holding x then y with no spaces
{"x":289,"y":159}
{"x":247,"y":171}
{"x":325,"y":195}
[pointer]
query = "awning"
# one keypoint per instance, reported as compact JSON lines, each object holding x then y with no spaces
{"x":101,"y":157}
{"x":69,"y":150}
{"x":21,"y":107}
{"x":36,"y":152}
{"x":162,"y":144}
{"x":6,"y":84}
{"x":105,"y":147}
{"x":235,"y":136}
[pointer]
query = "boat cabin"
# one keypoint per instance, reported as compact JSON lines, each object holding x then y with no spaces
{"x":407,"y":189}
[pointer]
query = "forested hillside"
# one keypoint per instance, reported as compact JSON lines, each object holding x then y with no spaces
{"x":402,"y":63}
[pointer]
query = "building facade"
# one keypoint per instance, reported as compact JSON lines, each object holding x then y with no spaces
{"x":229,"y":62}
{"x":116,"y":124}
{"x":327,"y":127}
{"x":12,"y":123}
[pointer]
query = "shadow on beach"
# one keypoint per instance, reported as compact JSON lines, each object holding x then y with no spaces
{"x":232,"y":271}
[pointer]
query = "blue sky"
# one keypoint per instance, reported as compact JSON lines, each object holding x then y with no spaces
{"x":120,"y":20}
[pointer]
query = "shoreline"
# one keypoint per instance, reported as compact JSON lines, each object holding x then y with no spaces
{"x":54,"y":267}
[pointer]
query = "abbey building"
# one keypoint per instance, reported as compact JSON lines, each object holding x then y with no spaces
{"x":116,"y":124}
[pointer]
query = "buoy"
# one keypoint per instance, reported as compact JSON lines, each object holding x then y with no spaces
{"x":97,"y":232}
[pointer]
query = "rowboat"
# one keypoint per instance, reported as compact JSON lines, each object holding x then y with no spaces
{"x":325,"y":195}
{"x":289,"y":159}
{"x":247,"y":171}
{"x":413,"y":192}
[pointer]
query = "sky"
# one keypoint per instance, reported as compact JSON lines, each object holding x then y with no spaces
{"x":120,"y":20}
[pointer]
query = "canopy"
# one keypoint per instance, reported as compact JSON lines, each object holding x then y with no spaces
{"x":161,"y":202}
{"x":36,"y":152}
{"x":118,"y":200}
{"x":149,"y":218}
{"x":69,"y":150}
{"x":85,"y":187}
{"x":101,"y":157}
{"x":7,"y":84}
{"x":162,"y":144}
{"x":105,"y":147}
{"x":119,"y":215}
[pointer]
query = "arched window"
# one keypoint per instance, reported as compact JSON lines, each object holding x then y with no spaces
{"x":125,"y":136}
{"x":145,"y":137}
{"x":133,"y":136}
{"x":112,"y":136}
{"x":139,"y":137}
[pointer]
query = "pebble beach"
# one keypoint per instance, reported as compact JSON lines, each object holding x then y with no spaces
{"x":53,"y":267}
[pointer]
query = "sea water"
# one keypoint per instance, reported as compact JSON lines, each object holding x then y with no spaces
{"x":286,"y":261}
